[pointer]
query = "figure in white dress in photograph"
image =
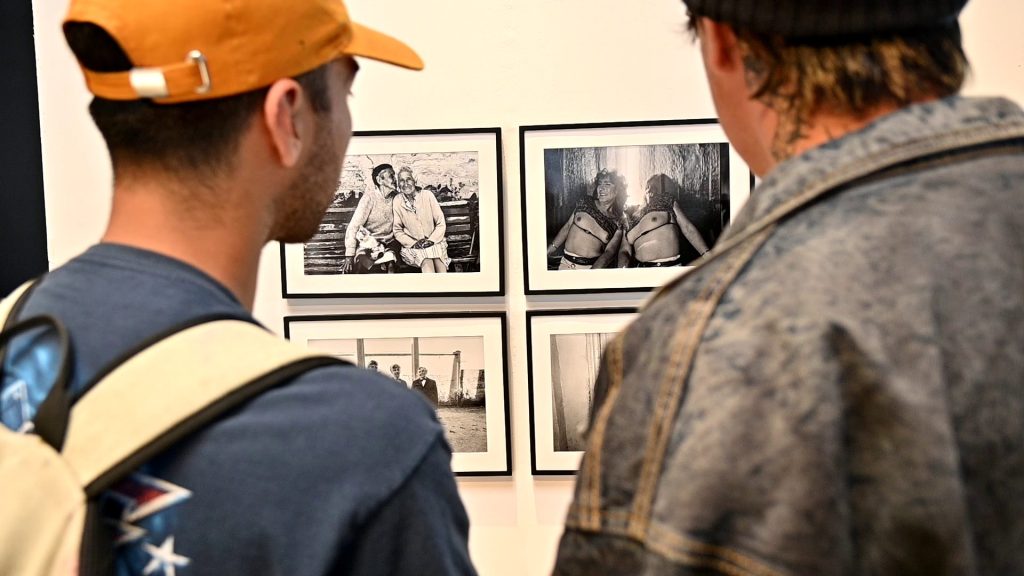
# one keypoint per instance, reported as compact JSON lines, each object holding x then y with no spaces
{"x":419,"y":226}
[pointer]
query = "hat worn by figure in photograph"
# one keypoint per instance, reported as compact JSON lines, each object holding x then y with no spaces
{"x":826,"y":392}
{"x":227,"y":124}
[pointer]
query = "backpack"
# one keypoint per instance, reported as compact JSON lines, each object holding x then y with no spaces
{"x":51,"y":474}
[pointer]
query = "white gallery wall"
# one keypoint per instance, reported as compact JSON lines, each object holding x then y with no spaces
{"x":502,"y":63}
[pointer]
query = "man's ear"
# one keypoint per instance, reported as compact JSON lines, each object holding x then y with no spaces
{"x":284,"y":115}
{"x":720,"y":46}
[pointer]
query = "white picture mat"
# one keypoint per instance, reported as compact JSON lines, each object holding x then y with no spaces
{"x":488,"y":279}
{"x":535,"y":142}
{"x":542,"y":328}
{"x":490,"y":328}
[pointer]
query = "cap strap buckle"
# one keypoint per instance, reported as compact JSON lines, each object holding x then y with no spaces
{"x":204,"y":70}
{"x":174,"y":80}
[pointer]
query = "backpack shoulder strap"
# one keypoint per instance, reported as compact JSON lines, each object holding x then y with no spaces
{"x":174,"y":388}
{"x":10,"y":305}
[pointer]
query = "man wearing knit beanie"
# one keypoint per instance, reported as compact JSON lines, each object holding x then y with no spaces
{"x":836,"y":389}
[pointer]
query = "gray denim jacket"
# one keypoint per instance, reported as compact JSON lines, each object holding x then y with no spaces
{"x":839,"y":389}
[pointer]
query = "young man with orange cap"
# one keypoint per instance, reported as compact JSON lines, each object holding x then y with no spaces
{"x":836,"y":388}
{"x":227,"y":123}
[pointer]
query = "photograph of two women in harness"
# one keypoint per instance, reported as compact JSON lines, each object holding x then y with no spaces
{"x":634,"y":206}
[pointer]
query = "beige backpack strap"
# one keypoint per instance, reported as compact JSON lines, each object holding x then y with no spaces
{"x":171,"y":389}
{"x":8,"y":304}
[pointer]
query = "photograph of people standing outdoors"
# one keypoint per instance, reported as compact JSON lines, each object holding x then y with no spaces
{"x":634,"y":206}
{"x":448,"y":371}
{"x":453,"y":362}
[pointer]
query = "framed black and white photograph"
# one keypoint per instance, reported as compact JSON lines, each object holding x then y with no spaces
{"x":416,"y":213}
{"x":457,"y":361}
{"x":621,"y":207}
{"x":564,"y":349}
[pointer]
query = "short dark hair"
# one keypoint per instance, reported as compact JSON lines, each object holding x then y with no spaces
{"x":199,"y":136}
{"x":850,"y":75}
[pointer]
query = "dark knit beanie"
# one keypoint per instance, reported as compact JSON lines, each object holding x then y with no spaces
{"x":822,"y":18}
{"x":377,"y":170}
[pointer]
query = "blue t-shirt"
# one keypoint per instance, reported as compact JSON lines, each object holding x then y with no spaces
{"x":341,"y":471}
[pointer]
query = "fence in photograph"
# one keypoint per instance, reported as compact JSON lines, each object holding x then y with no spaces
{"x":457,"y":387}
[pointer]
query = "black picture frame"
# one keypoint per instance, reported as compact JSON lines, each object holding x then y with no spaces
{"x":472,"y":159}
{"x":383,"y":334}
{"x":678,"y":154}
{"x":553,"y":453}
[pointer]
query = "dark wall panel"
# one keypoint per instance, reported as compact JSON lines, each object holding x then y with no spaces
{"x":22,"y":212}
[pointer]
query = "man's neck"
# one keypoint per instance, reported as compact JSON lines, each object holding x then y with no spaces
{"x":794,"y":136}
{"x":153,"y":216}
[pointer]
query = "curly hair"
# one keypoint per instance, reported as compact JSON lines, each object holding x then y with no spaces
{"x":619,"y":182}
{"x":850,"y":76}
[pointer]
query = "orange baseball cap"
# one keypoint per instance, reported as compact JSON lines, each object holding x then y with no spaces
{"x":189,"y":50}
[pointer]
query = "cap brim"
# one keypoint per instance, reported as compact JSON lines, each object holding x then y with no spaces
{"x":368,"y":43}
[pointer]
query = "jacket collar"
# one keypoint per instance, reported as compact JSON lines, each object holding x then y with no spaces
{"x":930,"y":127}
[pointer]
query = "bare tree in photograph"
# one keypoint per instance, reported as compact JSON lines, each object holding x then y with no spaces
{"x":575,"y":360}
{"x":676,"y":201}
